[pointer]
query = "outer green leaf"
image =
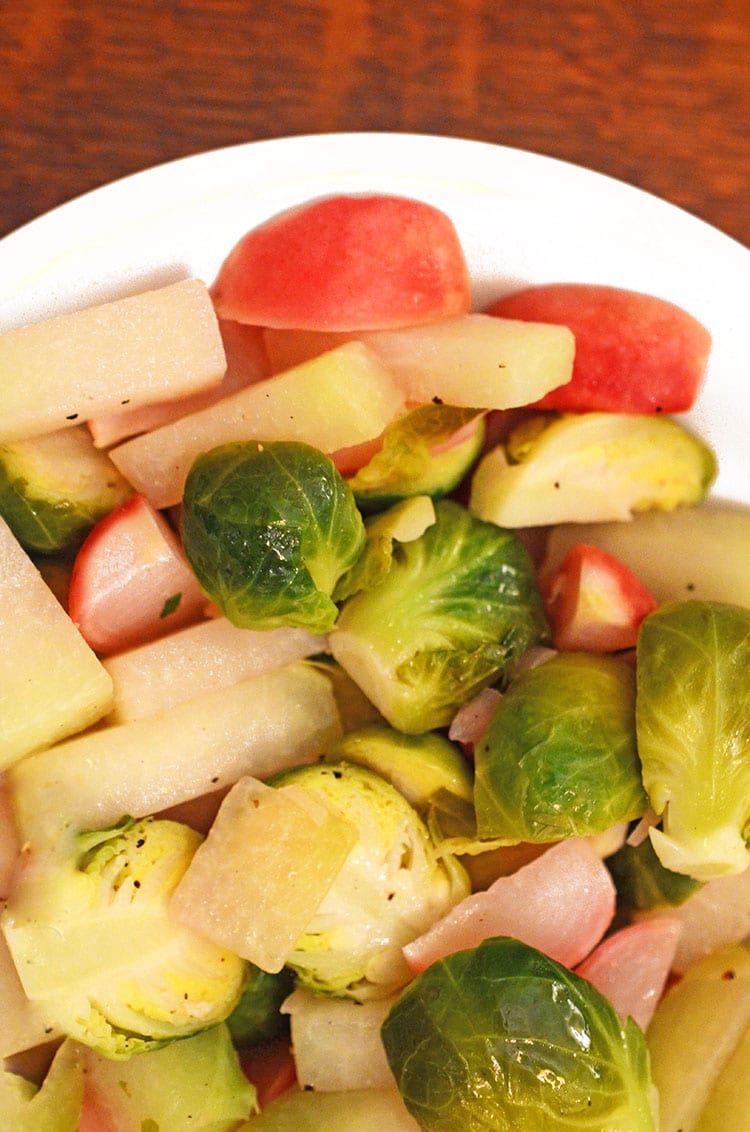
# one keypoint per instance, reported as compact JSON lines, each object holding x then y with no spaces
{"x":559,"y":757}
{"x":693,"y":724}
{"x":454,"y":613}
{"x":269,"y":529}
{"x":503,"y":1039}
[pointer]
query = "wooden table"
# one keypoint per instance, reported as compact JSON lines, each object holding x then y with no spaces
{"x":655,"y":92}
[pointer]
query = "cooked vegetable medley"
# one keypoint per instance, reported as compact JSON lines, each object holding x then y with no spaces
{"x":353,"y":778}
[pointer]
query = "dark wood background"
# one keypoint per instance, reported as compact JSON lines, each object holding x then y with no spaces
{"x":655,"y":92}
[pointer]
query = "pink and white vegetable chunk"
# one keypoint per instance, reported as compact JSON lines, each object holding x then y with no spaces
{"x":131,"y":581}
{"x":561,"y":903}
{"x":631,"y":967}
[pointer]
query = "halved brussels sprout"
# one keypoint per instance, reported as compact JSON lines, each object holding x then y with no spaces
{"x":693,"y":724}
{"x":457,"y":609}
{"x":503,"y":1037}
{"x":559,"y":757}
{"x":391,"y":887}
{"x":269,"y":529}
{"x":91,"y":935}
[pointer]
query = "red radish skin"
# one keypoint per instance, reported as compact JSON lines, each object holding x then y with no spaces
{"x":632,"y":966}
{"x":561,"y":903}
{"x":125,"y":577}
{"x":635,"y":353}
{"x":594,"y":602}
{"x":270,"y":1067}
{"x":370,"y":262}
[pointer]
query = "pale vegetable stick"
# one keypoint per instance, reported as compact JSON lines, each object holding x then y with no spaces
{"x":65,"y":370}
{"x":51,"y":682}
{"x":182,"y":665}
{"x":340,"y":399}
{"x":476,"y":361}
{"x":256,"y":727}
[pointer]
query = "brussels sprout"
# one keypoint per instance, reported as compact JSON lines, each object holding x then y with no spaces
{"x":457,"y":609}
{"x":503,"y":1037}
{"x":257,"y":1016}
{"x":559,"y":757}
{"x":693,"y":726}
{"x":54,"y":488}
{"x":642,"y":882}
{"x":91,"y":935}
{"x":391,"y":887}
{"x":590,"y":467}
{"x":416,"y":459}
{"x":269,"y":529}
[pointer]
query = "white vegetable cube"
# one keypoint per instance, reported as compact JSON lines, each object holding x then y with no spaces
{"x":51,"y":683}
{"x":153,"y":346}
{"x":259,"y":877}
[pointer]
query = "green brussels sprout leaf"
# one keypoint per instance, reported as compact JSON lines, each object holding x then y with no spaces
{"x":642,"y":882}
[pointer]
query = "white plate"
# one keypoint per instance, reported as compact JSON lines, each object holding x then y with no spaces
{"x":521,"y":217}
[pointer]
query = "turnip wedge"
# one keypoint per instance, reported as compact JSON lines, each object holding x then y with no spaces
{"x":535,"y":905}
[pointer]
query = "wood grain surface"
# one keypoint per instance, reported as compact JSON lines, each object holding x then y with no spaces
{"x":655,"y":92}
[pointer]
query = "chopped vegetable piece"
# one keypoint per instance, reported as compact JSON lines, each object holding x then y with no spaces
{"x":131,"y":582}
{"x":695,"y":1029}
{"x":151,"y":346}
{"x":54,"y":488}
{"x":635,"y":353}
{"x":390,"y":888}
{"x":593,"y":602}
{"x":51,"y":683}
{"x":696,"y":552}
{"x":196,"y":1084}
{"x":254,"y":901}
{"x":533,"y":904}
{"x":426,"y":452}
{"x":346,"y":263}
{"x":345,"y":397}
{"x":259,"y":726}
{"x":474,"y":361}
{"x":90,"y":932}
